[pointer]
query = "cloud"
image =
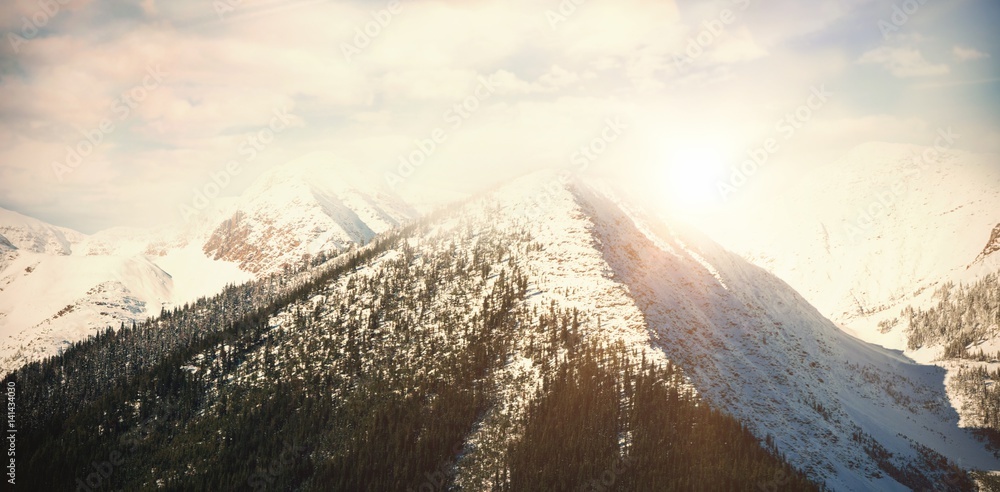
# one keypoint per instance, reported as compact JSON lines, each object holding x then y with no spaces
{"x":903,"y":62}
{"x":16,"y":14}
{"x":149,"y":7}
{"x":555,"y":86}
{"x":849,"y":130}
{"x":966,"y":54}
{"x":555,"y":79}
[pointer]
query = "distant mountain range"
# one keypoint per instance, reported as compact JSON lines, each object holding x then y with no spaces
{"x":875,"y":231}
{"x":58,"y":286}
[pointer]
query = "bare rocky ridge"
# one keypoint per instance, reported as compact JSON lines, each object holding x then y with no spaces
{"x":992,"y":246}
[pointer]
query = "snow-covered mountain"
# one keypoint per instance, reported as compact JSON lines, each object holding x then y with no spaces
{"x":48,"y":301}
{"x":58,"y":286}
{"x":874,"y":231}
{"x":304,"y":207}
{"x":852,"y":415}
{"x":28,"y":234}
{"x":751,"y":344}
{"x":878,"y":234}
{"x":52,"y":296}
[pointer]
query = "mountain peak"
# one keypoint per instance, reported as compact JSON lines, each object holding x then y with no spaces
{"x":324,"y":170}
{"x":312,"y":204}
{"x":749,"y":342}
{"x":30,"y":234}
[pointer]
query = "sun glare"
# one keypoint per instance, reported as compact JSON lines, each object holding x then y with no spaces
{"x":690,"y":176}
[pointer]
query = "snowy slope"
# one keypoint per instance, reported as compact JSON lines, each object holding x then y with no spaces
{"x":30,"y":234}
{"x":872,"y":232}
{"x":58,"y":285}
{"x":750,"y":343}
{"x":158,"y":240}
{"x":6,"y":245}
{"x":7,"y":252}
{"x":875,"y":232}
{"x":852,"y":415}
{"x":130,"y":241}
{"x":755,"y":346}
{"x":309,"y":205}
{"x":51,"y":300}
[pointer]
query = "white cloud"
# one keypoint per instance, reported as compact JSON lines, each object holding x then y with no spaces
{"x":555,"y":79}
{"x":966,"y":54}
{"x":903,"y":62}
{"x":737,"y":45}
{"x":555,"y":86}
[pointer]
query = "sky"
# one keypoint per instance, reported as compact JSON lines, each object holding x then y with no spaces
{"x":117,"y":113}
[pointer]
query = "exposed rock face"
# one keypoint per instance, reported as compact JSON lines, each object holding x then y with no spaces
{"x":992,"y":246}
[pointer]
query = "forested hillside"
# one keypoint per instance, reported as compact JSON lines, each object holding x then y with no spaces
{"x":964,"y":315}
{"x":966,"y":323}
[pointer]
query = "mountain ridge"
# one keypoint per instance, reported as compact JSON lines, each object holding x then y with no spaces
{"x":286,"y":216}
{"x":850,"y":415}
{"x":895,"y":221}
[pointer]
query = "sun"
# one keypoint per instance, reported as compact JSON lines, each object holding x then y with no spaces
{"x":690,"y":175}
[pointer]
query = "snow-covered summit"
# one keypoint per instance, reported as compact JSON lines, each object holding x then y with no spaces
{"x":31,"y":234}
{"x":309,"y":205}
